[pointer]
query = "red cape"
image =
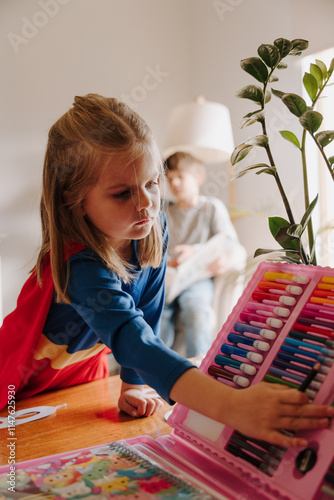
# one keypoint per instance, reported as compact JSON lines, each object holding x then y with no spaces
{"x":20,"y":334}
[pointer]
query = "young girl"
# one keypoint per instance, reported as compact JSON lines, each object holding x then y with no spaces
{"x":99,"y":284}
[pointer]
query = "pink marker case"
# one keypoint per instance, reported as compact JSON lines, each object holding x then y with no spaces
{"x":267,"y":472}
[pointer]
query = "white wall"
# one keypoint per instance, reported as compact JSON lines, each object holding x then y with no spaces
{"x":54,"y":49}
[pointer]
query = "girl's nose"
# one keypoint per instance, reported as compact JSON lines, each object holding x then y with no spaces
{"x":143,"y":201}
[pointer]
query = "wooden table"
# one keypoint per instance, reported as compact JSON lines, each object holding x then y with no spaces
{"x":90,"y":418}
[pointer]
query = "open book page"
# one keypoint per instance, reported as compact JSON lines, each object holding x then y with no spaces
{"x":112,"y":471}
{"x":196,"y":267}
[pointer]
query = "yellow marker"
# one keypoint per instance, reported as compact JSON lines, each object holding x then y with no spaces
{"x":297,"y":278}
{"x":325,"y":286}
{"x":321,"y":300}
{"x":328,"y":279}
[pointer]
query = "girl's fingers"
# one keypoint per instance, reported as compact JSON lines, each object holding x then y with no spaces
{"x":307,"y":410}
{"x":297,"y":423}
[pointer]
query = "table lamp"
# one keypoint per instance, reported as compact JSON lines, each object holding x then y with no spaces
{"x":202,"y":129}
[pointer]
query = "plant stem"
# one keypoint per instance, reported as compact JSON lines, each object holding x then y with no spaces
{"x":277,"y":179}
{"x":306,"y":197}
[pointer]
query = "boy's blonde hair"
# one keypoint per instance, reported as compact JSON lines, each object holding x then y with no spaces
{"x":80,"y":143}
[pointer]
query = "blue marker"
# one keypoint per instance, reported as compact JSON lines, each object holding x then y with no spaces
{"x":300,"y":343}
{"x":283,"y":373}
{"x":234,"y":338}
{"x":291,"y":366}
{"x":251,"y":355}
{"x":264,"y":332}
{"x":308,"y":354}
{"x":244,"y":367}
{"x":292,"y":357}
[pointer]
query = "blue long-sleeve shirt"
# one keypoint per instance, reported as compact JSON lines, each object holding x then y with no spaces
{"x":125,"y":317}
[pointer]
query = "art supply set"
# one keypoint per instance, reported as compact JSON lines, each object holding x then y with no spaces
{"x":280,"y":331}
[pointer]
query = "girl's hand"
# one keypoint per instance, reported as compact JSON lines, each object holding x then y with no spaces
{"x":263,"y":411}
{"x":136,"y":402}
{"x":266,"y":411}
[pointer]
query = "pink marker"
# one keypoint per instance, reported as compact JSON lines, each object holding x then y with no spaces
{"x":255,"y":318}
{"x":265,"y":308}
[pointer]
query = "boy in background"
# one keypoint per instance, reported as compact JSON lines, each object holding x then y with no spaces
{"x":192,"y":220}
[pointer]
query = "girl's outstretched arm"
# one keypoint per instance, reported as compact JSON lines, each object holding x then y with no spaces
{"x":260,"y":411}
{"x":137,"y":403}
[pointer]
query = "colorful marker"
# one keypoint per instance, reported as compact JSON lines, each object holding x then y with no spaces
{"x":327,"y":279}
{"x":284,"y":374}
{"x":266,"y":309}
{"x":326,"y":308}
{"x":263,"y":332}
{"x":296,"y":359}
{"x":251,"y":459}
{"x":307,"y":354}
{"x":314,"y":338}
{"x":263,"y":455}
{"x":297,"y":278}
{"x":276,"y":380}
{"x":312,"y":321}
{"x":306,"y":383}
{"x":237,"y":351}
{"x":325,"y":286}
{"x":234,"y":338}
{"x":319,"y":316}
{"x":323,"y":293}
{"x":313,"y":329}
{"x":321,"y":300}
{"x":272,"y":297}
{"x":275,"y":287}
{"x":233,"y":363}
{"x":273,"y":322}
{"x":218,"y":372}
{"x":289,"y":366}
{"x":307,"y":345}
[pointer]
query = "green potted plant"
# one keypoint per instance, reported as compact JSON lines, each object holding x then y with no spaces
{"x":288,"y":233}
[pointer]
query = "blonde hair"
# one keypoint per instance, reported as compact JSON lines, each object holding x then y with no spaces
{"x":94,"y":130}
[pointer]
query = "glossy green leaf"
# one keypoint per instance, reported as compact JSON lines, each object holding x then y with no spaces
{"x":284,"y":46}
{"x":273,"y":78}
{"x":295,"y":103}
{"x":270,"y":171}
{"x":331,"y":67}
{"x":282,"y":66}
{"x":259,"y":140}
{"x":248,"y":169}
{"x":295,"y":230}
{"x":269,"y":54}
{"x":290,"y":136}
{"x":311,"y":121}
{"x":317,"y":73}
{"x":278,"y":93}
{"x":307,"y":215}
{"x":263,"y":251}
{"x":256,"y":68}
{"x":322,"y":67}
{"x":311,"y":85}
{"x":325,"y":137}
{"x":331,"y":160}
{"x":298,"y":45}
{"x":240,"y":152}
{"x":278,"y":228}
{"x":252,"y":92}
{"x":253,"y":118}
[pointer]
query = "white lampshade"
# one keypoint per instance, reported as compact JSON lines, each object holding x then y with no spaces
{"x":201,"y":128}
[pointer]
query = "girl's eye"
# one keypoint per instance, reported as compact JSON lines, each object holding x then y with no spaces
{"x":123,"y":194}
{"x":152,"y":184}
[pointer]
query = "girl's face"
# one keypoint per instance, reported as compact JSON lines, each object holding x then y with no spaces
{"x":125,"y":201}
